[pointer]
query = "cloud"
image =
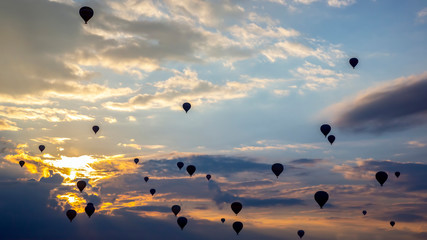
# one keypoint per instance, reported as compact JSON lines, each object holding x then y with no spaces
{"x":340,"y":3}
{"x":6,"y":125}
{"x":395,"y":105}
{"x":185,"y":87}
{"x":307,"y":162}
{"x":44,"y":113}
{"x":267,"y":145}
{"x":416,"y":144}
{"x":422,"y":14}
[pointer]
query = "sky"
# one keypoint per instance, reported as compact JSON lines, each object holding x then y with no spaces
{"x":262,"y":76}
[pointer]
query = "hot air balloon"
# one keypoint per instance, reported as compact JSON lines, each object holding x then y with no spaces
{"x":152,"y":191}
{"x":86,"y":13}
{"x":236,"y":207}
{"x":191,"y":169}
{"x":222,"y":220}
{"x":321,"y":198}
{"x":392,"y":223}
{"x":300,"y":233}
{"x":95,"y":129}
{"x":208,"y":177}
{"x":182,"y":221}
{"x":186,"y":106}
{"x":364,"y":212}
{"x":89,"y":209}
{"x":277,"y":169}
{"x":71,"y":214}
{"x":331,"y":139}
{"x":176,"y":209}
{"x":325,"y":129}
{"x":237,"y":226}
{"x":397,"y":174}
{"x":180,"y":165}
{"x":381,"y":177}
{"x":353,"y":62}
{"x":146,"y":179}
{"x":21,"y":163}
{"x":81,"y":185}
{"x":41,"y":148}
{"x":136,"y":160}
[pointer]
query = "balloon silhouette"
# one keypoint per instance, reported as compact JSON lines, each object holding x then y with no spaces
{"x":191,"y":169}
{"x":237,"y":226}
{"x":146,"y":179}
{"x":325,"y":129}
{"x":222,"y":220}
{"x":95,"y":129}
{"x":136,"y":160}
{"x":21,"y":163}
{"x":331,"y":139}
{"x":364,"y":212}
{"x":392,"y":223}
{"x":300,"y":233}
{"x":353,"y":62}
{"x":81,"y":185}
{"x":236,"y":207}
{"x":277,"y":169}
{"x":208,"y":177}
{"x":186,"y":106}
{"x":89,"y":209}
{"x":86,"y":13}
{"x":321,"y":198}
{"x":71,"y":214}
{"x":41,"y":148}
{"x":182,"y":221}
{"x":176,"y":209}
{"x":152,"y":191}
{"x":381,"y":177}
{"x":397,"y":174}
{"x":180,"y":165}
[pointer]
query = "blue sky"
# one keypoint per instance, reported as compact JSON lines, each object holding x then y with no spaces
{"x":262,"y":76}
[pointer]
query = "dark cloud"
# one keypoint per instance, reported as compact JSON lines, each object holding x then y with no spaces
{"x":53,"y":178}
{"x":306,"y":161}
{"x":398,"y":105}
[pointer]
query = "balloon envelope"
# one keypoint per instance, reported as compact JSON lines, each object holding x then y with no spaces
{"x":236,"y":207}
{"x":81,"y":185}
{"x":237,"y":226}
{"x":136,"y":160}
{"x":392,"y":223}
{"x":146,"y":179}
{"x":397,"y":174}
{"x":277,"y":169}
{"x":41,"y":148}
{"x":364,"y":212}
{"x":95,"y":129}
{"x":208,"y":177}
{"x":325,"y":129}
{"x":89,"y":209}
{"x":191,"y":169}
{"x":182,"y":221}
{"x":186,"y":106}
{"x":86,"y":13}
{"x":176,"y":209}
{"x":152,"y":191}
{"x":180,"y":165}
{"x":331,"y":139}
{"x":21,"y":163}
{"x":381,"y":177}
{"x":353,"y":62}
{"x":71,"y":214}
{"x":300,"y":233}
{"x":222,"y":220}
{"x":321,"y":198}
